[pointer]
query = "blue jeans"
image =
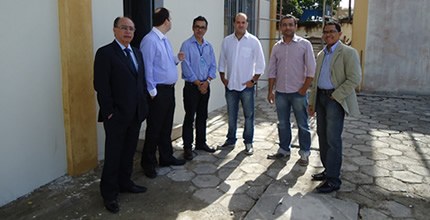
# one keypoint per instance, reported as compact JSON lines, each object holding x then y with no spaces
{"x":246,"y":97}
{"x":330,"y":118}
{"x":299,"y":103}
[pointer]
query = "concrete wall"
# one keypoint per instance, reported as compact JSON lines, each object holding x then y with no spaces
{"x":32,"y":138}
{"x":264,"y":33}
{"x":104,"y":12}
{"x":398,"y":49}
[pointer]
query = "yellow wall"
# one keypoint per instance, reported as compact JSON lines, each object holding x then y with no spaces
{"x":76,"y":45}
{"x":359,"y":31}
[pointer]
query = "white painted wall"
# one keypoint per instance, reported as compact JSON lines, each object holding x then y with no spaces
{"x":104,"y":13}
{"x":398,"y":49}
{"x":32,"y":138}
{"x":263,"y":34}
{"x":181,"y":30}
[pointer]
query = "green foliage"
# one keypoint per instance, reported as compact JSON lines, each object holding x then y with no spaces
{"x":296,"y":7}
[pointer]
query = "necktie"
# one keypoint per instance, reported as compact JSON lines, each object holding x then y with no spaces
{"x":130,"y":59}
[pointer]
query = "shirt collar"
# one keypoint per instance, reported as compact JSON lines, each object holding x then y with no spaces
{"x":159,"y":33}
{"x":122,"y":46}
{"x":246,"y":35}
{"x":295,"y":39}
{"x":193,"y":39}
{"x":332,"y":48}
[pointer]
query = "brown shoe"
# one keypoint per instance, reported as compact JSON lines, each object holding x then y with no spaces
{"x":304,"y":161}
{"x":188,"y":153}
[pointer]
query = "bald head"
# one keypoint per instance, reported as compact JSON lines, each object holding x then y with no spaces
{"x":241,"y":14}
{"x":240,"y":24}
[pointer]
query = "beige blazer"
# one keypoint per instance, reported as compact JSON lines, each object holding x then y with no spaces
{"x":345,"y":75}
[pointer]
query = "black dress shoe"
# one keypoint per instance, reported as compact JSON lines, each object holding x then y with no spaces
{"x":134,"y":189}
{"x":327,"y":187}
{"x":112,"y":205}
{"x":188,"y":153}
{"x":205,"y":148}
{"x":319,"y":176}
{"x":150,"y":173}
{"x":172,"y":162}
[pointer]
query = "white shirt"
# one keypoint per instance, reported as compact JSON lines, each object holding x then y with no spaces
{"x":241,"y":59}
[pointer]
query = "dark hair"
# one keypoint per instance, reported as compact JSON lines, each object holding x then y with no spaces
{"x":289,"y":16}
{"x":200,"y":18}
{"x":160,"y":15}
{"x":115,"y":22}
{"x":335,"y":23}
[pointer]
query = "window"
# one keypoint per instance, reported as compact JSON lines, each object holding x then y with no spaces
{"x":232,"y":7}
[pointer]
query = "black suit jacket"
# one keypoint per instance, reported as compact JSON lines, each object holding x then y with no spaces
{"x":121,"y":90}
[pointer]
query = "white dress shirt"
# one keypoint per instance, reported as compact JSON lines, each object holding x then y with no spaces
{"x":241,"y":59}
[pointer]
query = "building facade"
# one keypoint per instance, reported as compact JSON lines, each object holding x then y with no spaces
{"x":48,"y":106}
{"x":48,"y":111}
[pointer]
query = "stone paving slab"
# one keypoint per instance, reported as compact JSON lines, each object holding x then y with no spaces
{"x":385,"y":174}
{"x":278,"y":202}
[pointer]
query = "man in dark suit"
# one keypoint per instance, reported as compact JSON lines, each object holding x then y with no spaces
{"x":119,"y":79}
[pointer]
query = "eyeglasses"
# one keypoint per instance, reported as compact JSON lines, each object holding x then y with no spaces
{"x":330,"y":32}
{"x":127,"y":28}
{"x":199,"y":27}
{"x":288,"y":24}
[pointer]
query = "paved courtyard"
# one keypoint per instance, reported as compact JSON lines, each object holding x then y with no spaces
{"x":385,"y":174}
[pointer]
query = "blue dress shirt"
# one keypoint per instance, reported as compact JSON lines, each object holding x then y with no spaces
{"x":324,"y":81}
{"x":160,"y":63}
{"x":199,"y":63}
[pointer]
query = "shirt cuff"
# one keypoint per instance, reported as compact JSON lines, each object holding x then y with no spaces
{"x":153,"y":92}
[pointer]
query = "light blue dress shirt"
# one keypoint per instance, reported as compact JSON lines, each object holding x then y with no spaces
{"x":159,"y":61}
{"x":324,"y":81}
{"x":199,"y":63}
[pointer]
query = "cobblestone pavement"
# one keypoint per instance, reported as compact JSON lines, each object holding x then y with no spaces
{"x":385,"y":172}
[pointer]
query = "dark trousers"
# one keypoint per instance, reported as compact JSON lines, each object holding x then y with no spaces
{"x":120,"y":146}
{"x":195,"y":104}
{"x":330,"y":119}
{"x":159,"y":127}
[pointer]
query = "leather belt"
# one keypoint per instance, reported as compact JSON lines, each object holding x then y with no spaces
{"x":165,"y":85}
{"x":325,"y":91}
{"x":190,"y":83}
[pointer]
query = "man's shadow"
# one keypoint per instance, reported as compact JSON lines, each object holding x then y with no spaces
{"x":279,"y":189}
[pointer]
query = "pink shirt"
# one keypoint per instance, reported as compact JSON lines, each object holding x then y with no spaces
{"x":290,"y":63}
